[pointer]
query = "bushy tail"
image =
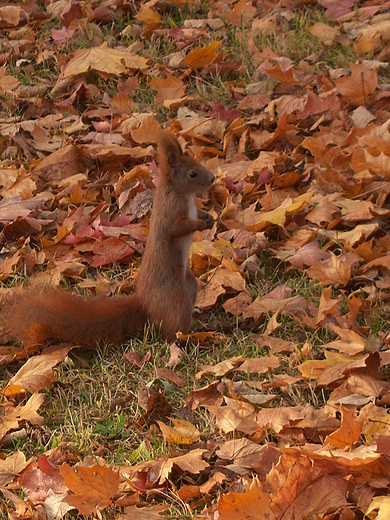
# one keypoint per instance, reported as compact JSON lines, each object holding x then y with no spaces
{"x":64,"y":317}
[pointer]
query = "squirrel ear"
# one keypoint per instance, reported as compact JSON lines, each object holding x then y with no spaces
{"x":169,"y":150}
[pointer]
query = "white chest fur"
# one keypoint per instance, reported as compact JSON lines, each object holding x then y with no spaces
{"x":187,"y":241}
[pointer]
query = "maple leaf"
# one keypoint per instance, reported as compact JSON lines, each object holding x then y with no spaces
{"x":94,"y":487}
{"x":348,"y":433}
{"x":356,"y":88}
{"x":183,"y":432}
{"x":13,"y":416}
{"x":331,"y":271}
{"x":36,"y":374}
{"x":168,"y":88}
{"x":11,"y":467}
{"x":202,"y":56}
{"x":255,"y":503}
{"x":242,"y":13}
{"x":103,"y":59}
{"x":147,"y":15}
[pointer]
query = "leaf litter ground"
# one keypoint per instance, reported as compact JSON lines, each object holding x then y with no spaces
{"x":275,"y":407}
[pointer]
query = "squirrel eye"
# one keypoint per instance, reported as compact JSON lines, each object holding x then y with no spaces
{"x":193,"y":174}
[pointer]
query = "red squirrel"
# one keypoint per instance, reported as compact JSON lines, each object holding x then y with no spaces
{"x":166,"y":288}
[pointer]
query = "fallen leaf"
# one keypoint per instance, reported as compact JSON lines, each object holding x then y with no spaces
{"x":348,"y":433}
{"x":183,"y":432}
{"x":94,"y":488}
{"x":37,"y":373}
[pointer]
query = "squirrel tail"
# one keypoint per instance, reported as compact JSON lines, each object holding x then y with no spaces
{"x":64,"y":317}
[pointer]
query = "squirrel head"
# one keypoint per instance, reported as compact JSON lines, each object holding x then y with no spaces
{"x":187,"y":175}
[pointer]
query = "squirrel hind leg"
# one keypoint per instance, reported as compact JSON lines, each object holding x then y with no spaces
{"x":192,"y":285}
{"x":179,"y":319}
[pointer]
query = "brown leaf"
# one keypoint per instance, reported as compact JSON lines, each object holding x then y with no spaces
{"x":41,"y":482}
{"x":94,"y":487}
{"x":243,"y":452}
{"x":324,"y":32}
{"x":12,"y":466}
{"x":109,"y":251}
{"x":331,"y":271}
{"x":236,"y":415}
{"x":276,"y":345}
{"x":135,"y":358}
{"x":202,"y":56}
{"x":168,"y":88}
{"x":294,"y":497}
{"x":207,"y":396}
{"x":11,"y":16}
{"x":242,"y":13}
{"x":356,"y":88}
{"x":15,"y":207}
{"x":237,"y":305}
{"x":255,"y":502}
{"x":13,"y":417}
{"x":259,"y":365}
{"x":222,"y":368}
{"x":143,"y":513}
{"x":170,"y":375}
{"x":348,"y":433}
{"x":103,"y":59}
{"x":147,"y":15}
{"x":183,"y":432}
{"x":37,"y":373}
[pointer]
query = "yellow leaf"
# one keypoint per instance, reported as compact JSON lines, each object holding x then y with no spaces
{"x":147,"y":15}
{"x":183,"y":432}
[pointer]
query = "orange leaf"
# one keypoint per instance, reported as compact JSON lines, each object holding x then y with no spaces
{"x":356,"y":88}
{"x":348,"y":433}
{"x":255,"y":503}
{"x":168,"y":88}
{"x":93,"y":487}
{"x":202,"y":56}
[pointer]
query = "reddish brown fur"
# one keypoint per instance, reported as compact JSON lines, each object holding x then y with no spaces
{"x":166,"y":288}
{"x":73,"y":319}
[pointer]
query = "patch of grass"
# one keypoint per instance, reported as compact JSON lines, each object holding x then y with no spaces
{"x":299,"y":44}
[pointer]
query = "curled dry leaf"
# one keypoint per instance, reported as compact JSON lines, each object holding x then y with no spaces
{"x":37,"y":373}
{"x":11,"y":467}
{"x":12,"y":416}
{"x":221,"y":369}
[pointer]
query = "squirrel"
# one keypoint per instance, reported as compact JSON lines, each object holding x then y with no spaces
{"x":166,"y":288}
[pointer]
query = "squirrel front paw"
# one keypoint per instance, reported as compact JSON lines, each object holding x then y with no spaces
{"x":207,"y":219}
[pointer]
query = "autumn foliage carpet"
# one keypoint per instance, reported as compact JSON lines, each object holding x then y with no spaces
{"x":276,"y":406}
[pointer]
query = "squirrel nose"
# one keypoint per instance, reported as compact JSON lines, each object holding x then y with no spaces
{"x":212,"y":178}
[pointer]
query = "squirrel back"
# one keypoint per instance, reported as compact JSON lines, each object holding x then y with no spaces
{"x":166,"y":288}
